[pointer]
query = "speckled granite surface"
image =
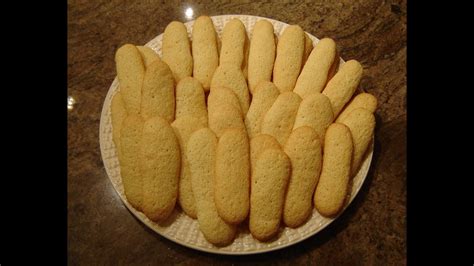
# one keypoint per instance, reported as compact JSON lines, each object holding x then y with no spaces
{"x":370,"y":232}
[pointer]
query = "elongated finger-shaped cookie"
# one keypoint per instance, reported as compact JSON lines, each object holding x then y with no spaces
{"x":148,"y":55}
{"x":190,"y":99}
{"x":232,"y":176}
{"x":269,"y":182}
{"x":183,"y":127}
{"x":315,"y":111}
{"x":314,"y":75}
{"x":362,"y":100}
{"x":361,"y":122}
{"x":158,"y":97}
{"x":176,"y":50}
{"x":280,"y":118}
{"x":205,"y":51}
{"x":224,"y":117}
{"x":201,"y":152}
{"x":304,"y":148}
{"x":260,"y":143}
{"x":233,"y":43}
{"x":289,"y":58}
{"x":263,"y":98}
{"x":333,"y":184}
{"x":262,"y":52}
{"x":132,"y":178}
{"x":118,"y":114}
{"x":231,"y":76}
{"x":130,"y":73}
{"x":342,"y":86}
{"x":160,"y":162}
{"x":222,"y":95}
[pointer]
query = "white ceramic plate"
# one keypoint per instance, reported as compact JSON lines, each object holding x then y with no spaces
{"x":184,"y":230}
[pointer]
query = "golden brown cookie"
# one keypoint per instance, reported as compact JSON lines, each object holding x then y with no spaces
{"x":201,"y":152}
{"x":263,"y":98}
{"x":333,"y":184}
{"x":204,"y":50}
{"x":232,"y":188}
{"x":262,"y":52}
{"x":159,"y":164}
{"x":176,"y":50}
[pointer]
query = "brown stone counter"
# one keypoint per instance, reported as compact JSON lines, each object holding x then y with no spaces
{"x":370,"y":232}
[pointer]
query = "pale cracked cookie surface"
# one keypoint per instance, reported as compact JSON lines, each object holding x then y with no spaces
{"x":201,"y":152}
{"x":262,"y":52}
{"x":263,"y":98}
{"x":316,"y":71}
{"x":158,"y":97}
{"x":118,"y":114}
{"x":176,"y":50}
{"x":362,"y":100}
{"x":148,"y":55}
{"x":233,"y":43}
{"x":342,"y":86}
{"x":183,"y":127}
{"x":232,"y":186}
{"x":130,"y":73}
{"x":333,"y":184}
{"x":280,"y":118}
{"x":231,"y":76}
{"x":204,"y":50}
{"x":315,"y":111}
{"x":160,"y":162}
{"x":132,"y":178}
{"x":190,"y":99}
{"x":304,"y":148}
{"x":289,"y":58}
{"x":361,"y":123}
{"x":269,"y":182}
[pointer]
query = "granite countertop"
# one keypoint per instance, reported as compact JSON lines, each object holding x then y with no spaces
{"x":373,"y":228}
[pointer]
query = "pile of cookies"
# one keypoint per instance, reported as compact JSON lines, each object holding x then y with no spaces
{"x":239,"y":130}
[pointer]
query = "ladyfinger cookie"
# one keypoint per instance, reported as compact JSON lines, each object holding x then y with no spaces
{"x":304,"y":148}
{"x":201,"y":153}
{"x":231,"y":187}
{"x":148,"y":55}
{"x":333,"y":184}
{"x":130,"y":73}
{"x":160,"y":162}
{"x":289,"y":58}
{"x":260,"y":143}
{"x":263,"y":98}
{"x":342,"y":86}
{"x":118,"y":114}
{"x":233,"y":42}
{"x":204,"y":50}
{"x":267,"y":197}
{"x":183,"y":127}
{"x":361,"y":122}
{"x":130,"y":142}
{"x":280,"y":118}
{"x":315,"y":111}
{"x":362,"y":100}
{"x":176,"y":50}
{"x":231,"y":76}
{"x":158,"y":97}
{"x":314,"y":75}
{"x":223,"y":117}
{"x":190,"y":99}
{"x":262,"y":52}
